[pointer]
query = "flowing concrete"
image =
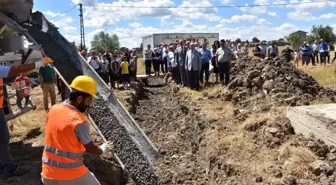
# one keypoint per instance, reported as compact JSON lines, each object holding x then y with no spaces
{"x":313,"y":119}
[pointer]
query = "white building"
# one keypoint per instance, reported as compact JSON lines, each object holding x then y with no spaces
{"x":169,"y":38}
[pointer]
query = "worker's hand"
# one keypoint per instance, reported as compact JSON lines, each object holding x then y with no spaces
{"x":106,"y":147}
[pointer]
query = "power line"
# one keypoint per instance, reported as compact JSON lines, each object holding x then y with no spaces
{"x":64,"y":12}
{"x":218,"y":6}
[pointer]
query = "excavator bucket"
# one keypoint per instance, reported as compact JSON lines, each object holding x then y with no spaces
{"x":70,"y":64}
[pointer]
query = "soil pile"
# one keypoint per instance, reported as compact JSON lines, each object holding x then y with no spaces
{"x":274,"y":81}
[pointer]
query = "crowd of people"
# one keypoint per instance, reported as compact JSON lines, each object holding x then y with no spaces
{"x":319,"y":52}
{"x":117,"y":69}
{"x":189,"y":62}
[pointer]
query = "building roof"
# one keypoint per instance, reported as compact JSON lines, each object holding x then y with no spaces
{"x":300,"y":31}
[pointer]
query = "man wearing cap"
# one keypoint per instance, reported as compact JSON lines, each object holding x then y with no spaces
{"x":323,"y":47}
{"x":67,"y":138}
{"x":7,"y":165}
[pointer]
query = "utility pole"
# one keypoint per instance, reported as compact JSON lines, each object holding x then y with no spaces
{"x":82,"y":27}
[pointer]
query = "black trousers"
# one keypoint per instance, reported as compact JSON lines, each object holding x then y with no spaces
{"x":193,"y":78}
{"x":65,"y":92}
{"x":58,"y":84}
{"x":328,"y":57}
{"x":205,"y":69}
{"x":156,"y":65}
{"x":333,"y":60}
{"x":161,"y":65}
{"x":315,"y":57}
{"x":176,"y":75}
{"x":183,"y":75}
{"x":165,"y":65}
{"x":224,"y":69}
{"x":148,"y":64}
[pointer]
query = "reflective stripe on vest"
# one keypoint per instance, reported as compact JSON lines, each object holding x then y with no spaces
{"x":63,"y":153}
{"x":60,"y":164}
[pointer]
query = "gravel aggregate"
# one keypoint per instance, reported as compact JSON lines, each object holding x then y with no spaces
{"x":140,"y":170}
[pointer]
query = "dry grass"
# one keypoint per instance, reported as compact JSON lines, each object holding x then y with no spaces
{"x":325,"y":75}
{"x":254,"y":121}
{"x":298,"y":160}
{"x":30,"y":126}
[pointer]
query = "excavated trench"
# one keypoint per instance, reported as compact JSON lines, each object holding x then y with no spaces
{"x":170,"y":119}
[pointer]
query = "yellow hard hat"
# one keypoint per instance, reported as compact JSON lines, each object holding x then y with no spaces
{"x":84,"y":84}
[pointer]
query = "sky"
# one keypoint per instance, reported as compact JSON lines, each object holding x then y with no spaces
{"x":232,"y":19}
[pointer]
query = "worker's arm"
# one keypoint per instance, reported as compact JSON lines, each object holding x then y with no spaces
{"x":83,"y":134}
{"x":15,"y":70}
{"x":6,"y":71}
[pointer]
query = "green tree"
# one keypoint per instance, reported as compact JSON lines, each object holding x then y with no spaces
{"x":79,"y":48}
{"x":103,"y":40}
{"x":323,"y":32}
{"x":281,"y":39}
{"x":255,"y":39}
{"x":238,"y":40}
{"x":7,"y":33}
{"x":294,"y":39}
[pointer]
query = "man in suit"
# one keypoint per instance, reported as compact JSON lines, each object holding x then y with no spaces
{"x":193,"y":65}
{"x":180,"y":55}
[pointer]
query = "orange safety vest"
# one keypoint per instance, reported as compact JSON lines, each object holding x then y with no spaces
{"x":63,"y":152}
{"x":2,"y":95}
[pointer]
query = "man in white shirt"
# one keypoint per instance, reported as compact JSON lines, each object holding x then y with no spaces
{"x":94,"y":61}
{"x":316,"y":52}
{"x":263,"y":49}
{"x":148,"y":55}
{"x":223,"y":56}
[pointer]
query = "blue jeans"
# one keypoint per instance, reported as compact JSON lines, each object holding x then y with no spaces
{"x":224,"y":69}
{"x":6,"y":162}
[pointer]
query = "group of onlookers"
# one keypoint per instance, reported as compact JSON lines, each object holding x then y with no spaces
{"x":319,"y":52}
{"x":189,"y":62}
{"x":263,"y":51}
{"x":119,"y":67}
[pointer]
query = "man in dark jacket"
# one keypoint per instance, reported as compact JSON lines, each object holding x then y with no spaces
{"x":180,"y":55}
{"x":287,"y":52}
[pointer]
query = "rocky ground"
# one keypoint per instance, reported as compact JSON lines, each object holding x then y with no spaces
{"x":207,"y":138}
{"x":274,"y":82}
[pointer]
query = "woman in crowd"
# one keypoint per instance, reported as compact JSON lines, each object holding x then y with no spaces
{"x":297,"y":57}
{"x":214,"y":63}
{"x":156,"y":61}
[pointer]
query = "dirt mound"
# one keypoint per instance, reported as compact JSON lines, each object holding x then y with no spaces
{"x":274,"y":81}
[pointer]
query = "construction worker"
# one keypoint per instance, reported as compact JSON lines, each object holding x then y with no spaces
{"x":67,"y":137}
{"x":7,"y":165}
